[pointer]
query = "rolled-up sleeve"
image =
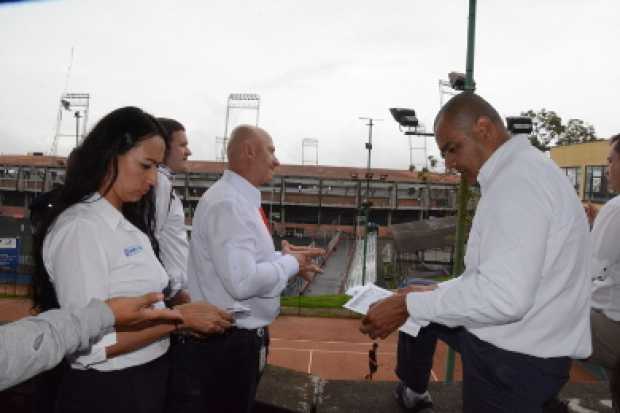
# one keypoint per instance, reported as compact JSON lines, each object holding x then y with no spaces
{"x":511,"y":255}
{"x":232,"y":246}
{"x":35,"y":344}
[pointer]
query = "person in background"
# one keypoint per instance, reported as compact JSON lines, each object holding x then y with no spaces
{"x":372,"y":361}
{"x":605,"y":272}
{"x":98,"y":243}
{"x":170,"y":231}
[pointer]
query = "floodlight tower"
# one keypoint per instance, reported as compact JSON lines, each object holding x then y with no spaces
{"x":409,"y":125}
{"x":236,"y":102}
{"x":451,"y":87}
{"x":78,"y":105}
{"x":310,"y":151}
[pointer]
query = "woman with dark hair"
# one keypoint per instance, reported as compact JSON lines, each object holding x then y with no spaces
{"x":98,"y":242}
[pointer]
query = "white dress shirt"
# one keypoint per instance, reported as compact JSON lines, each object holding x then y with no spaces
{"x":525,"y":287}
{"x":232,"y":259}
{"x":605,"y":263}
{"x":171,"y":232}
{"x":92,"y":251}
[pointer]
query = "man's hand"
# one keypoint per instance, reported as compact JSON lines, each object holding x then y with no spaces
{"x":204,"y":318}
{"x":131,"y":311}
{"x":182,"y":297}
{"x":307,"y":268}
{"x":417,"y":288}
{"x":288,"y":248}
{"x":304,"y":255}
{"x":385,"y":316}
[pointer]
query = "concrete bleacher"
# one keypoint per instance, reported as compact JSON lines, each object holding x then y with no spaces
{"x":334,"y":270}
{"x":356,"y":275}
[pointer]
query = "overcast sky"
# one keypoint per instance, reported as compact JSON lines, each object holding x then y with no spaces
{"x":317,"y":65}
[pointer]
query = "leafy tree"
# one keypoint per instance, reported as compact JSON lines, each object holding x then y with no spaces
{"x":549,"y":130}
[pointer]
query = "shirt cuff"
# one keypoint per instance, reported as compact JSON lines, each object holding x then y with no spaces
{"x":289,"y":265}
{"x":420,"y":305}
{"x":97,"y":353}
{"x":95,"y":319}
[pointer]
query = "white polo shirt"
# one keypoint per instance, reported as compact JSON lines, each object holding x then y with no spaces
{"x":525,"y":287}
{"x":92,"y":251}
{"x":605,"y":263}
{"x":171,"y":231}
{"x":232,"y":259}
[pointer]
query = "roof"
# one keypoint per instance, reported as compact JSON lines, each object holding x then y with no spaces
{"x":32,"y":160}
{"x":307,"y":171}
{"x":335,"y":172}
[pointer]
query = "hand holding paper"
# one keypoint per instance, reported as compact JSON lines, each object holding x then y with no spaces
{"x":384,"y":310}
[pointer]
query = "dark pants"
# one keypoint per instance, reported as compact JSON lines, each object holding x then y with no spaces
{"x":216,"y":374}
{"x":494,"y":380}
{"x":138,"y":389}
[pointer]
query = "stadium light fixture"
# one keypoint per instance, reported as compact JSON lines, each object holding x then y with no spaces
{"x":519,"y":124}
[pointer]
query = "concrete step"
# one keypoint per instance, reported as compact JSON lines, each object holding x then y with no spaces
{"x":297,"y":392}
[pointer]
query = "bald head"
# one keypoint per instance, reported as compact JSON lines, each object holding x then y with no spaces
{"x":467,"y":131}
{"x":464,"y":109}
{"x":251,"y":154}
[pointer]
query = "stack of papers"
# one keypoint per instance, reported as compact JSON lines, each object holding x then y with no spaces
{"x":364,"y":297}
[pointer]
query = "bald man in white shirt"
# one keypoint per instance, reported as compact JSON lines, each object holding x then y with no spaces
{"x":233,"y":265}
{"x":520,"y":310}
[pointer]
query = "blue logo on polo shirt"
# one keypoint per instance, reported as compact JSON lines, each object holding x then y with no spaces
{"x":133,"y":250}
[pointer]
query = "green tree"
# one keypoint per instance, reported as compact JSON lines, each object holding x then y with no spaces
{"x":549,"y":130}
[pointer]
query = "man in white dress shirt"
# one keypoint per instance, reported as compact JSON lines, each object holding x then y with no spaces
{"x":171,"y":232}
{"x":233,"y":265}
{"x":605,"y":272}
{"x":520,"y":310}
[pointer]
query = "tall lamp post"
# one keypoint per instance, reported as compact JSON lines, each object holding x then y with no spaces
{"x":463,"y":194}
{"x":366,"y":203}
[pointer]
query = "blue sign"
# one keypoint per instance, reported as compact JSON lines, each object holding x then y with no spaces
{"x":9,"y":253}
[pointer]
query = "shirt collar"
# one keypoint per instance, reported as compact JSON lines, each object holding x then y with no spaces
{"x":165,"y":170}
{"x":102,"y":207}
{"x":247,"y":190}
{"x":490,"y":168}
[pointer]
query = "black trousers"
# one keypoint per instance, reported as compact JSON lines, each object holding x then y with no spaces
{"x":494,"y":380}
{"x":216,"y":374}
{"x":138,"y":389}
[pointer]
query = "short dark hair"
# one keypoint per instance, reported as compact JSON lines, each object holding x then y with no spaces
{"x":170,"y":126}
{"x":613,"y":141}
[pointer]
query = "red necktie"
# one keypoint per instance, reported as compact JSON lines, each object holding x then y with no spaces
{"x":265,"y":219}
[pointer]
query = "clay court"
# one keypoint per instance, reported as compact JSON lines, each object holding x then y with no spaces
{"x":334,"y":349}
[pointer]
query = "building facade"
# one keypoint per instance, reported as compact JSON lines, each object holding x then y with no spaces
{"x":585,"y":165}
{"x":300,"y":199}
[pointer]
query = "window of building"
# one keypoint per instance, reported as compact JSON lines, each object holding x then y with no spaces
{"x":596,"y":184}
{"x":574,"y":176}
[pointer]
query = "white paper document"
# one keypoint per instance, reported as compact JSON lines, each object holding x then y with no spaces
{"x":369,"y":294}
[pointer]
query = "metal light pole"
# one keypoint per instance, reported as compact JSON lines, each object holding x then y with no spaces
{"x":463,"y":194}
{"x":77,"y":127}
{"x":366,"y":204}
